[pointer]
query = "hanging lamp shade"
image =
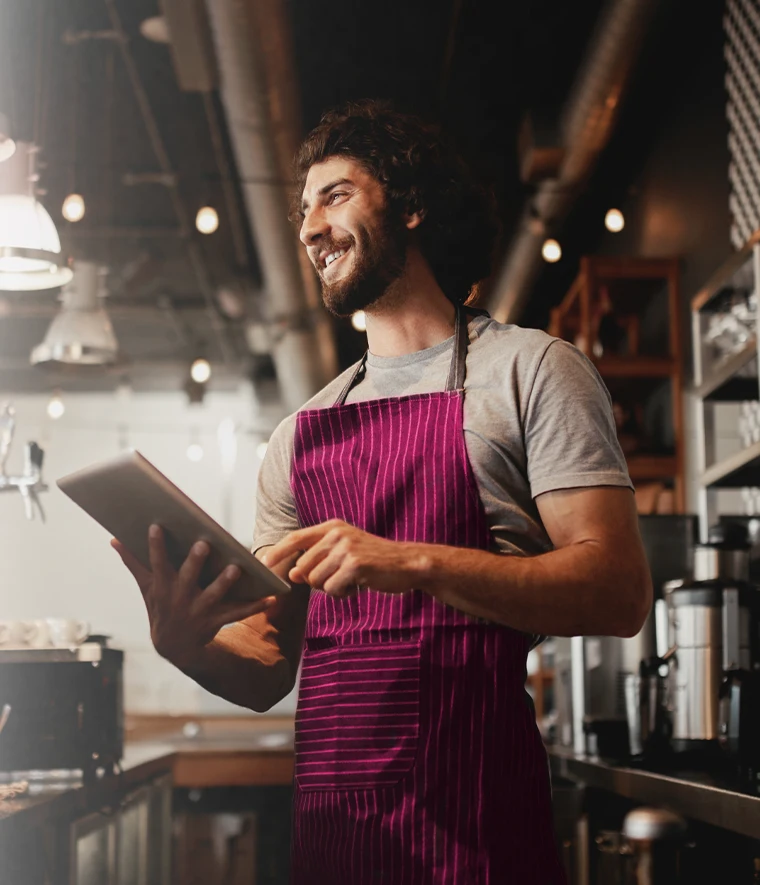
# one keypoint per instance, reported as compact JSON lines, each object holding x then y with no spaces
{"x":81,"y":333}
{"x":30,"y":249}
{"x":7,"y":144}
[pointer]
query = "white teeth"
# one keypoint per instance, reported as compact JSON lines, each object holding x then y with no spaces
{"x":333,"y":256}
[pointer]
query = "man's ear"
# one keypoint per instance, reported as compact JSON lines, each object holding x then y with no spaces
{"x":413,"y":219}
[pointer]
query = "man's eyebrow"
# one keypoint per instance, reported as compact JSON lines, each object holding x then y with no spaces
{"x":326,"y":189}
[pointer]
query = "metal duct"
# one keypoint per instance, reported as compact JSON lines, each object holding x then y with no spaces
{"x":586,"y":124}
{"x":303,"y":349}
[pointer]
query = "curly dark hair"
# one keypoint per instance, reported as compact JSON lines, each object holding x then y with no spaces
{"x":420,"y":172}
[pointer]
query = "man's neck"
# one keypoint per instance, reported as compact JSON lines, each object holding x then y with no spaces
{"x":413,"y":315}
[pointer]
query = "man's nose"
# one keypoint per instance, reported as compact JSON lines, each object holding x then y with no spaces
{"x":313,"y":227}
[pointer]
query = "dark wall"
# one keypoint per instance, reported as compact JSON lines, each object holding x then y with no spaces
{"x":666,"y":166}
{"x":678,"y":202}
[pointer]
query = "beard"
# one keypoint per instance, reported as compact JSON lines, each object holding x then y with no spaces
{"x":379,"y":258}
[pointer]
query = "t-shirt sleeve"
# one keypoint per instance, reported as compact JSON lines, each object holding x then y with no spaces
{"x":275,"y":508}
{"x":570,"y":438}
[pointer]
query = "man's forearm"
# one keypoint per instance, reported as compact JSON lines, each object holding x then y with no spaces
{"x":254,"y":663}
{"x":579,"y":589}
{"x":242,"y":669}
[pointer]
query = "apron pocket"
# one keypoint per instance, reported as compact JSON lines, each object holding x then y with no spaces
{"x":358,"y":718}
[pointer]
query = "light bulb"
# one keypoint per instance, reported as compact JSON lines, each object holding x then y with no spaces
{"x":551,"y":251}
{"x":359,"y":321}
{"x":261,"y":450}
{"x":195,"y":452}
{"x":200,"y":371}
{"x":207,"y":221}
{"x":55,"y":408}
{"x":73,"y":207}
{"x":614,"y":221}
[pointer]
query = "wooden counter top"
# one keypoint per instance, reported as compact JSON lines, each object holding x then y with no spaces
{"x":198,"y":752}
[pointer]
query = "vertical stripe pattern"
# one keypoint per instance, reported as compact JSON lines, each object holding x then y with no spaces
{"x":418,"y":760}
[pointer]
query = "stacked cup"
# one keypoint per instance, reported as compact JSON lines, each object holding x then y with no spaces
{"x":43,"y":633}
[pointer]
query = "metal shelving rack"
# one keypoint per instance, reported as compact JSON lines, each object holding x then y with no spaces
{"x":730,"y":379}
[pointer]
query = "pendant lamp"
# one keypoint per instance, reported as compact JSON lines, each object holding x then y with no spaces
{"x":30,"y":249}
{"x":81,"y":334}
{"x":7,"y":144}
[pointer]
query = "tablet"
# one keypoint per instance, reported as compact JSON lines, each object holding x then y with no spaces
{"x":127,"y":494}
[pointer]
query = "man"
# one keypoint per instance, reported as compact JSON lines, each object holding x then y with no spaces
{"x":437,"y":507}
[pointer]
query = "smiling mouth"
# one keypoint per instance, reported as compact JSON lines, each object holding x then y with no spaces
{"x":334,"y":258}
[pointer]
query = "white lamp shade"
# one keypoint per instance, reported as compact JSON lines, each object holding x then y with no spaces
{"x":26,"y":224}
{"x":7,"y":144}
{"x":7,"y":147}
{"x":81,"y":334}
{"x":30,"y":250}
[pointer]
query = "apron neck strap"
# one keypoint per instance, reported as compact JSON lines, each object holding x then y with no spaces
{"x":455,"y":380}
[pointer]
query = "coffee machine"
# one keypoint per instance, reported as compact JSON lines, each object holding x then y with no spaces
{"x":713,"y":673}
{"x":593,"y":674}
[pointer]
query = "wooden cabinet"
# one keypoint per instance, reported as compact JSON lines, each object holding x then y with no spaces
{"x":624,"y":314}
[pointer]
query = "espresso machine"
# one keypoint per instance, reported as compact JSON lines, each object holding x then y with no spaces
{"x":611,"y":685}
{"x":61,"y":709}
{"x":714,"y":670}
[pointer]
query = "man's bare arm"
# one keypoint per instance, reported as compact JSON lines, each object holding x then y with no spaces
{"x":596,"y":581}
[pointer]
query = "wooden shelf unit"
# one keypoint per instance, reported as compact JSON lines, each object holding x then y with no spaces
{"x":630,"y":284}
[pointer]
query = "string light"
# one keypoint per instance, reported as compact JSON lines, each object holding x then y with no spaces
{"x":195,"y":452}
{"x":200,"y":371}
{"x":207,"y":221}
{"x":359,"y":321}
{"x":614,"y":221}
{"x":55,"y":408}
{"x":73,"y":207}
{"x":551,"y":251}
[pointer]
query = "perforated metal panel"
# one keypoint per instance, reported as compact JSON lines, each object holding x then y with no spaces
{"x":742,"y":29}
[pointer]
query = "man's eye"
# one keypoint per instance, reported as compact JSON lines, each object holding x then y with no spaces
{"x":335,"y":194}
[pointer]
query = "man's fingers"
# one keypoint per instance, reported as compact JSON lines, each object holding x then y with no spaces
{"x":159,"y":562}
{"x":241,"y":611}
{"x":190,"y":570}
{"x":218,"y":589}
{"x":342,"y":582}
{"x":316,"y":572}
{"x":307,"y":562}
{"x":303,"y":539}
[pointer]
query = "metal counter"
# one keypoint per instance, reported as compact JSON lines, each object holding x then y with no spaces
{"x":694,"y":795}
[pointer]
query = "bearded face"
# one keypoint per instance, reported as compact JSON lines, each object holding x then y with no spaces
{"x":362,"y":266}
{"x":356,"y":245}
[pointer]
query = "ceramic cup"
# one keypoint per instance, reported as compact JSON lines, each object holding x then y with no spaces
{"x":67,"y":632}
{"x":38,"y":635}
{"x":16,"y":633}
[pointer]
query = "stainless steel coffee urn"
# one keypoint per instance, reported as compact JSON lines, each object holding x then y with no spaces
{"x":712,"y":623}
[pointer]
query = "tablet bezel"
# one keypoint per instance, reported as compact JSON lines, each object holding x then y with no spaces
{"x":102,"y":489}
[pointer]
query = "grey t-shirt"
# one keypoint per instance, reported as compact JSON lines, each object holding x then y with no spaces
{"x":537,"y":418}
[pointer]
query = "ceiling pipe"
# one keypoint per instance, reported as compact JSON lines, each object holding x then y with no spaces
{"x":586,"y":124}
{"x":194,"y":254}
{"x":258,"y":92}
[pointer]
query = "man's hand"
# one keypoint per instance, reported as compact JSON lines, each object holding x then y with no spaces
{"x":341,"y":559}
{"x":183,"y":617}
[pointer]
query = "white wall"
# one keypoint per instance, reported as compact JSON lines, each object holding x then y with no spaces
{"x":67,"y":568}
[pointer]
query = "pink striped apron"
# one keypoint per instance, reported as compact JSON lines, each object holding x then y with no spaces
{"x":418,"y":759}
